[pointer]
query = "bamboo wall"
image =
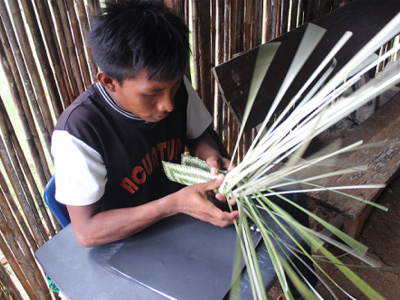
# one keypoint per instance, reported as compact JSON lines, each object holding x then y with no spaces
{"x":47,"y":65}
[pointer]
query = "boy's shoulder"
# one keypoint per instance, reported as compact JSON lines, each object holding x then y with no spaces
{"x":85,"y":108}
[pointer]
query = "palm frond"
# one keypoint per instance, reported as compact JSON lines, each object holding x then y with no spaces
{"x":256,"y":178}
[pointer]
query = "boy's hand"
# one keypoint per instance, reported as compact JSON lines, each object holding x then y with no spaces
{"x":192,"y":200}
{"x":217,"y":163}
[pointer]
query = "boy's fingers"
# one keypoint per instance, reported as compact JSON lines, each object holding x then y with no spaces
{"x":213,"y":162}
{"x":213,"y":184}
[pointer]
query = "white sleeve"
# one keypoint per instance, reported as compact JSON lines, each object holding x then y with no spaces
{"x":198,"y":117}
{"x":81,"y":174}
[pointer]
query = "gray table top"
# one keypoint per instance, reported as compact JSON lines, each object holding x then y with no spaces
{"x":83,"y":273}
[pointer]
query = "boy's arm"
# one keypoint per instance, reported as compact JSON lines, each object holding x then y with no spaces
{"x":94,"y":227}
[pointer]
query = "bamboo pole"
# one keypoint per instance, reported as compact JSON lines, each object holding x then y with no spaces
{"x":40,"y":292}
{"x":186,"y":16}
{"x":18,"y":162}
{"x":53,"y":50}
{"x":13,"y":206}
{"x":294,"y":14}
{"x":42,"y":57}
{"x":70,"y":79}
{"x":301,"y":19}
{"x":226,"y":49}
{"x":76,"y":75}
{"x":14,"y":172}
{"x":239,"y":26}
{"x":239,"y":47}
{"x":232,"y":51}
{"x":30,"y":62}
{"x":10,"y":36}
{"x":268,"y":28}
{"x":204,"y":46}
{"x":83,"y":19}
{"x":80,"y":52}
{"x":213,"y":15}
{"x":285,"y":16}
{"x":219,"y":59}
{"x":204,"y":20}
{"x":16,"y":268}
{"x":18,"y":187}
{"x":91,"y":8}
{"x":274,"y":18}
{"x":24,"y":113}
{"x":258,"y":22}
{"x":96,"y":4}
{"x":19,"y":237}
{"x":8,"y":286}
{"x":232,"y":29}
{"x":248,"y":24}
{"x":248,"y":42}
{"x":278,"y":19}
{"x":195,"y":47}
{"x":7,"y":129}
{"x":54,"y":16}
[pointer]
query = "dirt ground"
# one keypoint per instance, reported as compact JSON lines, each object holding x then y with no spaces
{"x":381,"y":234}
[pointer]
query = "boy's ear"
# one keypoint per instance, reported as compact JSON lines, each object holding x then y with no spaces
{"x":106,"y":81}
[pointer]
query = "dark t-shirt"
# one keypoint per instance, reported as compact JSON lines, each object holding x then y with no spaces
{"x":119,"y":160}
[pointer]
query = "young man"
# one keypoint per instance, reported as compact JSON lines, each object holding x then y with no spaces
{"x":109,"y":144}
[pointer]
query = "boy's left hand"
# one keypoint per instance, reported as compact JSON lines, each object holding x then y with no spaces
{"x":216,"y":163}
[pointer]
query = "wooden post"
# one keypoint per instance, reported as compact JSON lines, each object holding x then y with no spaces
{"x":277,"y":26}
{"x":301,"y":12}
{"x":83,"y":19}
{"x":70,"y":79}
{"x":13,"y":206}
{"x":285,"y":16}
{"x":294,"y":14}
{"x":258,"y":15}
{"x":76,"y":75}
{"x":30,"y":61}
{"x":268,"y":30}
{"x":219,"y":59}
{"x":18,"y":187}
{"x":56,"y":61}
{"x":10,"y":36}
{"x":195,"y":47}
{"x":203,"y":15}
{"x":213,"y":16}
{"x":16,"y":268}
{"x":24,"y":112}
{"x":18,"y":157}
{"x":225,"y":112}
{"x":80,"y":52}
{"x":19,"y":237}
{"x":8,"y":286}
{"x":22,"y":261}
{"x":42,"y":56}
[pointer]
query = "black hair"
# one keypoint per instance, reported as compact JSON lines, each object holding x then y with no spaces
{"x":129,"y":36}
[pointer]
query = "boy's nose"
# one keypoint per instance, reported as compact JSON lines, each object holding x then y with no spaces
{"x":167,"y":103}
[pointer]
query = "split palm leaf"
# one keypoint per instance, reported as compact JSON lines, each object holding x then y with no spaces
{"x":253,"y":181}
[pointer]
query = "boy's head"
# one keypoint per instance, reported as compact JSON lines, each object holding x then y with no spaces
{"x":130,"y":36}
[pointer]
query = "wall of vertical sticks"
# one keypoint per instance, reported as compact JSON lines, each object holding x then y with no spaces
{"x":47,"y":65}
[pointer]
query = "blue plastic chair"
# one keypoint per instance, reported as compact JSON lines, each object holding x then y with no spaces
{"x":57,"y":208}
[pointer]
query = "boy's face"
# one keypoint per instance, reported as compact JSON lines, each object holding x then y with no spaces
{"x":149,"y":100}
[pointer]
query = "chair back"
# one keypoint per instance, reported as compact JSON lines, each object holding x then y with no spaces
{"x":58,"y":209}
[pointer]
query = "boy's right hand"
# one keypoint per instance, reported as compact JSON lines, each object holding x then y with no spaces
{"x":192,"y":200}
